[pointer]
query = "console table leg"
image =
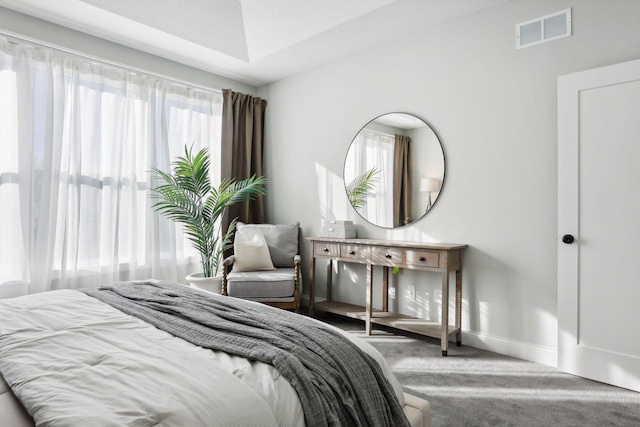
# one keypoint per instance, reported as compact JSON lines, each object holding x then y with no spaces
{"x":330,"y":280}
{"x":312,"y":288}
{"x":367,"y":321}
{"x":385,"y":289}
{"x":459,"y":307}
{"x":445,"y":313}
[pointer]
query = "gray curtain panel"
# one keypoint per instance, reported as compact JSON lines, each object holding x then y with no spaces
{"x":401,"y":181}
{"x":242,"y":149}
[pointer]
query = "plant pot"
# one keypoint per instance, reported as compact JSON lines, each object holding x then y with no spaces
{"x":209,"y":284}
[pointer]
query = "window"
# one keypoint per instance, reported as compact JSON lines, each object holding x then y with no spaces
{"x":79,"y":140}
{"x":369,"y":150}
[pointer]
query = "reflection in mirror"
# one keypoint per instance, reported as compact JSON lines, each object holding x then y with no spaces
{"x":394,"y":170}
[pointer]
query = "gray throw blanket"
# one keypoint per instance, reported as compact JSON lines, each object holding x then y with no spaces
{"x":337,"y":383}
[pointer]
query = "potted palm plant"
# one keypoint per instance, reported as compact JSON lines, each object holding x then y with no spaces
{"x":186,"y":196}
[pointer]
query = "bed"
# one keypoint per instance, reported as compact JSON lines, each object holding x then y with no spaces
{"x":140,"y":353}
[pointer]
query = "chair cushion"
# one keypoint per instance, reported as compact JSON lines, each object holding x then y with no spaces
{"x":282,"y":240}
{"x":251,"y":251}
{"x":261,"y":284}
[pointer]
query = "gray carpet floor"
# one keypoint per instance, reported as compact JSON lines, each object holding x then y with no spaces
{"x":472,"y":387}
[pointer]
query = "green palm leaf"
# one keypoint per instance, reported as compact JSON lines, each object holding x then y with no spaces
{"x":186,"y":196}
{"x":358,"y":189}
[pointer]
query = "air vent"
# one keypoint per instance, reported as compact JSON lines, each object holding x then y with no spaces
{"x":544,"y":29}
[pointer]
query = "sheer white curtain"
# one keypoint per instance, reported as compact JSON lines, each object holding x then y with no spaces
{"x":77,"y":141}
{"x":373,"y":149}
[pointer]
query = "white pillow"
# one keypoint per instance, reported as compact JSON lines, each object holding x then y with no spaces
{"x":251,"y":251}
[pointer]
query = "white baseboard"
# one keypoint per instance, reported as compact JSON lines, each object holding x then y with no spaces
{"x":522,"y":350}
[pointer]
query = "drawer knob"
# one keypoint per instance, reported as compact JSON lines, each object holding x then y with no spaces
{"x":388,"y":256}
{"x":422,"y":258}
{"x":326,"y":249}
{"x":352,"y":253}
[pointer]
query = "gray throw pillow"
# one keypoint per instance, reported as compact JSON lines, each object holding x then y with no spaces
{"x":282,"y":240}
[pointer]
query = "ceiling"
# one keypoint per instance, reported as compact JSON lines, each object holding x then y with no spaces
{"x":253,"y":41}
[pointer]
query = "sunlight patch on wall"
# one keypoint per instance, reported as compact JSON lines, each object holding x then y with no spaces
{"x":410,"y":234}
{"x":331,"y":195}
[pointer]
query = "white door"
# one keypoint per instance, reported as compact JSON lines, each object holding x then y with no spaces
{"x":599,"y":205}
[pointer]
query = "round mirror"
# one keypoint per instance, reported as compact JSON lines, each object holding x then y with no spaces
{"x":394,"y":170}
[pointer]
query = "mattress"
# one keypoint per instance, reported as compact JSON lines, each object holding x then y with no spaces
{"x":154,"y":376}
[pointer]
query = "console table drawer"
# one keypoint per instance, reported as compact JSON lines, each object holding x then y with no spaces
{"x":390,"y":257}
{"x":422,"y":258}
{"x":355,"y":253}
{"x":326,"y":249}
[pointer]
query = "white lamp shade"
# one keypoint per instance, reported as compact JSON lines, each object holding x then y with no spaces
{"x":429,"y":185}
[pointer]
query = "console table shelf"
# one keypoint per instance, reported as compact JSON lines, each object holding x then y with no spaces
{"x":378,"y":317}
{"x":442,"y":257}
{"x":343,"y":309}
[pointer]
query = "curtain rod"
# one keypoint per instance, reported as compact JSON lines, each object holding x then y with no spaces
{"x":14,"y":37}
{"x":379,"y":133}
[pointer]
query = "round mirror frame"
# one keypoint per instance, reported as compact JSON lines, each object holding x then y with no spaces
{"x":429,"y":180}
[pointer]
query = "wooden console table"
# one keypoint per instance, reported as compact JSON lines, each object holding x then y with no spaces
{"x":441,"y":258}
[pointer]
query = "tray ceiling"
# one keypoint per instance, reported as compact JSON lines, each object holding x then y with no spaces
{"x":254,"y":41}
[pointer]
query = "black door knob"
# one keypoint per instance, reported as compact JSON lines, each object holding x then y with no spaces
{"x":568,"y":239}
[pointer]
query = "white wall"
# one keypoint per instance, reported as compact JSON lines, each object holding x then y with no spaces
{"x":37,"y":29}
{"x":494,"y":109}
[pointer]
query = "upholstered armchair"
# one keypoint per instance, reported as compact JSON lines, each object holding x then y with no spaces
{"x":265,"y":265}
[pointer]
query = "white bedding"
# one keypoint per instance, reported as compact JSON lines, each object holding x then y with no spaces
{"x":104,"y":367}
